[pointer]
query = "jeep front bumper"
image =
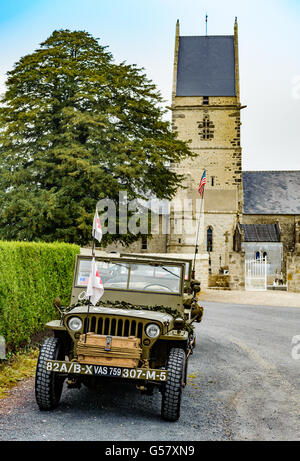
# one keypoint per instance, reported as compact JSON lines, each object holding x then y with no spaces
{"x":145,"y":374}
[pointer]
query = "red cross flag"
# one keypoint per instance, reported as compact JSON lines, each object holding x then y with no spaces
{"x":97,"y":230}
{"x":95,"y":287}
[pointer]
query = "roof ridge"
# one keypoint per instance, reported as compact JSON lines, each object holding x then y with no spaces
{"x":271,"y":171}
{"x":206,"y":36}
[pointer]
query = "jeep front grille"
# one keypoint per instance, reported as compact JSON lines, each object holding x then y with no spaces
{"x":102,"y":325}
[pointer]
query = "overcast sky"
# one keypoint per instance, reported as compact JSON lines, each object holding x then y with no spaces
{"x":142,"y":32}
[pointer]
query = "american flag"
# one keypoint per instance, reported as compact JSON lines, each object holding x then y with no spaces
{"x":202,"y":183}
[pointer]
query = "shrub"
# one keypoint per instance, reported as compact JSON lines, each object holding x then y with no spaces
{"x":31,"y":275}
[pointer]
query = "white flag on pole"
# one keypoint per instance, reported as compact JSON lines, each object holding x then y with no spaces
{"x":97,"y":229}
{"x":95,"y":287}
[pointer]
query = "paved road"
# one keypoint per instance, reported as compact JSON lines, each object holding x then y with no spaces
{"x":243,"y":385}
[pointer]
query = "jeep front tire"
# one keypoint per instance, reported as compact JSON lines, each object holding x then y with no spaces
{"x":48,"y":385}
{"x":171,"y":395}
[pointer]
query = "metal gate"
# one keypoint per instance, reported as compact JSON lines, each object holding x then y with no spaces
{"x":256,"y":274}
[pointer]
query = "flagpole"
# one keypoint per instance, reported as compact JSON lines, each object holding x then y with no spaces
{"x":96,"y":234}
{"x":197,"y":237}
{"x":89,"y":303}
{"x":93,"y":244}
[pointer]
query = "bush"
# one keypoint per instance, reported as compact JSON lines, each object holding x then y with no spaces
{"x":31,"y":275}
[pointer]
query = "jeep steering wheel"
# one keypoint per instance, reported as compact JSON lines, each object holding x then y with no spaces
{"x":157,"y":285}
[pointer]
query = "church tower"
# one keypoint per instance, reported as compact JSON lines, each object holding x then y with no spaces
{"x":206,"y":110}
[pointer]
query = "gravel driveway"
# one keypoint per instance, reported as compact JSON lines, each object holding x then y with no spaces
{"x":243,"y":385}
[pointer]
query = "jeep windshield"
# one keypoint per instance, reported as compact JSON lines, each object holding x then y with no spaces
{"x":188,"y":262}
{"x":132,"y":275}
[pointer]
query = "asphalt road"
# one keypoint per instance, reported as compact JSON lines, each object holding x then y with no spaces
{"x":243,"y":385}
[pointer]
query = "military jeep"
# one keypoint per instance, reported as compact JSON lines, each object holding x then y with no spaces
{"x":140,"y":331}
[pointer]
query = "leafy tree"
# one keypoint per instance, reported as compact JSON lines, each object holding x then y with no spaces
{"x":74,"y":128}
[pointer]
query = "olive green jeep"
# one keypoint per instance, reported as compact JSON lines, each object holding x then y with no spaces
{"x":140,"y":331}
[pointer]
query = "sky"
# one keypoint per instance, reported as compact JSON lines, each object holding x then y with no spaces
{"x":142,"y":32}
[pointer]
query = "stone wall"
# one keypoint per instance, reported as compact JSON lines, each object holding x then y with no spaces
{"x":236,"y":268}
{"x":220,"y":281}
{"x":218,"y":146}
{"x":156,"y":243}
{"x":222,"y":226}
{"x":293,"y":270}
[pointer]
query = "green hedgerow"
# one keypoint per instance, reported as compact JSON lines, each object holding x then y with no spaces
{"x":31,"y":275}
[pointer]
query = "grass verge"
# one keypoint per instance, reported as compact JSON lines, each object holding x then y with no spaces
{"x":19,"y":366}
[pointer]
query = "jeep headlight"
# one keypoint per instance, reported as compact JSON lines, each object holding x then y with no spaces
{"x":75,"y":323}
{"x":152,"y":330}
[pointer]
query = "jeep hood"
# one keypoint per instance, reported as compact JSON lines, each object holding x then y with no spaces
{"x":135,"y":313}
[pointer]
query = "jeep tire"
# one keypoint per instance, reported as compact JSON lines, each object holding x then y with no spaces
{"x":171,"y":395}
{"x":48,"y":385}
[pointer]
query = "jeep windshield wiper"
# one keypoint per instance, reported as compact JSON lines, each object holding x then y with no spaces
{"x":170,"y":272}
{"x":117,"y":264}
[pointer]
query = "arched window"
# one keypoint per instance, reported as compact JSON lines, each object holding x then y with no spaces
{"x":257,"y":255}
{"x":265,"y":255}
{"x":209,"y":239}
{"x":144,"y":242}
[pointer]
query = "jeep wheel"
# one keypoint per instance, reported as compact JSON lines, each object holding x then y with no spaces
{"x":48,"y":385}
{"x":171,"y":399}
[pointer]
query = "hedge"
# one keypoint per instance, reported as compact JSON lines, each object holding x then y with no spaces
{"x":31,"y":275}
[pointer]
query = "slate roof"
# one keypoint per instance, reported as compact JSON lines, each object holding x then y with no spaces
{"x":261,"y":232}
{"x":271,"y":192}
{"x":206,"y":66}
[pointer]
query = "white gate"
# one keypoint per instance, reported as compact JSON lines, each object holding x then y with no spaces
{"x":256,"y":274}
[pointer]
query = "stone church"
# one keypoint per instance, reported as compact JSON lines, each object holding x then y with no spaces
{"x":244,"y":214}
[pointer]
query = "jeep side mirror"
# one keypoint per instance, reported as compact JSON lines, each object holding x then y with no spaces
{"x":57,"y":302}
{"x":196,"y":288}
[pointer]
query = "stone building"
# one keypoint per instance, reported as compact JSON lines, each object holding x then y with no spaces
{"x":243,"y":214}
{"x":261,"y":209}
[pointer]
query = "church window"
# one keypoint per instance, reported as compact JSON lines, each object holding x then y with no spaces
{"x":265,"y":255}
{"x":209,"y":239}
{"x":205,"y":100}
{"x":212,"y":181}
{"x":257,"y":255}
{"x":144,"y":242}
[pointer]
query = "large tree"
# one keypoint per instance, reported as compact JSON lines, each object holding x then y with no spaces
{"x":75,"y":127}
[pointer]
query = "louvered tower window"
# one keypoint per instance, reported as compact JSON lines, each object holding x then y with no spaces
{"x":206,"y":128}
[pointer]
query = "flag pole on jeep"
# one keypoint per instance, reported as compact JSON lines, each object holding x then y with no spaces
{"x":95,"y":286}
{"x":201,"y":192}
